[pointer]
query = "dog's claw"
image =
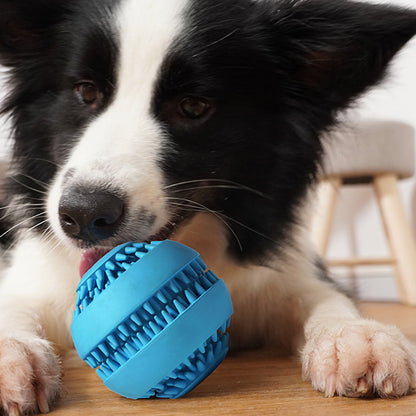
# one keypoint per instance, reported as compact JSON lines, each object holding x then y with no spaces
{"x":42,"y":402}
{"x":362,"y":386}
{"x":13,"y":409}
{"x":330,"y":387}
{"x":388,"y":387}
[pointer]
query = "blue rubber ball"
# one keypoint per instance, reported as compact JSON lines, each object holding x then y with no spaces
{"x":152,"y":320}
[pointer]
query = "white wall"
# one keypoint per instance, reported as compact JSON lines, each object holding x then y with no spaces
{"x":357,"y":227}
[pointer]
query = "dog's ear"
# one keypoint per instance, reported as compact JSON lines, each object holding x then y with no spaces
{"x":26,"y":27}
{"x":336,"y":49}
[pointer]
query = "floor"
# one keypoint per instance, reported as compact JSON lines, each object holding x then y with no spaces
{"x":249,"y":383}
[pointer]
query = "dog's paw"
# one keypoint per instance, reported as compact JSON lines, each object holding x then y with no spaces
{"x":29,"y":376}
{"x":359,"y":358}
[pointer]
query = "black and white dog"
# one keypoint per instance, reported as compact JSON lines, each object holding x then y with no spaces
{"x":197,"y":120}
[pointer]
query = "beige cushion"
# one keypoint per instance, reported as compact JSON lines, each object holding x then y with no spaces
{"x":364,"y":149}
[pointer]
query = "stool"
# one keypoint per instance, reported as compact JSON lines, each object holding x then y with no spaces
{"x":378,"y":153}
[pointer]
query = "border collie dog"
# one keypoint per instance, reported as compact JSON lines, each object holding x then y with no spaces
{"x":199,"y":121}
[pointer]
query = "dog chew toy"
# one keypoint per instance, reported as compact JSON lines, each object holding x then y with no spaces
{"x":151,"y":319}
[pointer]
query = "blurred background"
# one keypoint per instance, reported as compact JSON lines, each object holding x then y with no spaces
{"x":357,"y":229}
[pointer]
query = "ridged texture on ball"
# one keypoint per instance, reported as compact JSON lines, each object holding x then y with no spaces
{"x":152,"y":319}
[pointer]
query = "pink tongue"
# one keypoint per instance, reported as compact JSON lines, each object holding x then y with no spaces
{"x":89,"y":258}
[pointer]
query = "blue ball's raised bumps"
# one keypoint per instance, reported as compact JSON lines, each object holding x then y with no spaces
{"x":152,"y":319}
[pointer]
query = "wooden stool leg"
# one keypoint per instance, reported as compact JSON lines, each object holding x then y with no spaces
{"x":399,"y":235}
{"x":322,"y":220}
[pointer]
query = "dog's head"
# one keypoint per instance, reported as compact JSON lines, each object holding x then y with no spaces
{"x":137,"y":114}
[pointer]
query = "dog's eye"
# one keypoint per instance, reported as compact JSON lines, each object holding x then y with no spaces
{"x":89,"y":94}
{"x":194,"y":108}
{"x":185,"y":112}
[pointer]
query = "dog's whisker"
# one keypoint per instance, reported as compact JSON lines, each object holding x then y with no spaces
{"x":185,"y":206}
{"x":216,"y":214}
{"x":237,"y":187}
{"x":10,"y":215}
{"x":218,"y":182}
{"x":249,"y":228}
{"x":48,"y":236}
{"x":203,"y":180}
{"x":210,"y":45}
{"x":38,"y":225}
{"x":38,"y":200}
{"x":54,"y":247}
{"x":57,"y":165}
{"x":28,"y":187}
{"x":233,"y":220}
{"x":38,"y":181}
{"x":10,"y":211}
{"x":21,"y":223}
{"x":20,"y":206}
{"x":47,"y":233}
{"x":188,"y":204}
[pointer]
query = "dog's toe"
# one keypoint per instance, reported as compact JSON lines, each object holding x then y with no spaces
{"x":29,"y":376}
{"x":359,"y":359}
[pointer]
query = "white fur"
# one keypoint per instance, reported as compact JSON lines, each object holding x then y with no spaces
{"x":147,"y":29}
{"x":38,"y":294}
{"x":357,"y":357}
{"x":30,"y":374}
{"x":284,"y":304}
{"x":40,"y":286}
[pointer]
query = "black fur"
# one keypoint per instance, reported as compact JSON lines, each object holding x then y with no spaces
{"x":46,"y":48}
{"x":277,"y":73}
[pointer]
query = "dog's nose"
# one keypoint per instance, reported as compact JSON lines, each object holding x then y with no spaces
{"x":90,"y":215}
